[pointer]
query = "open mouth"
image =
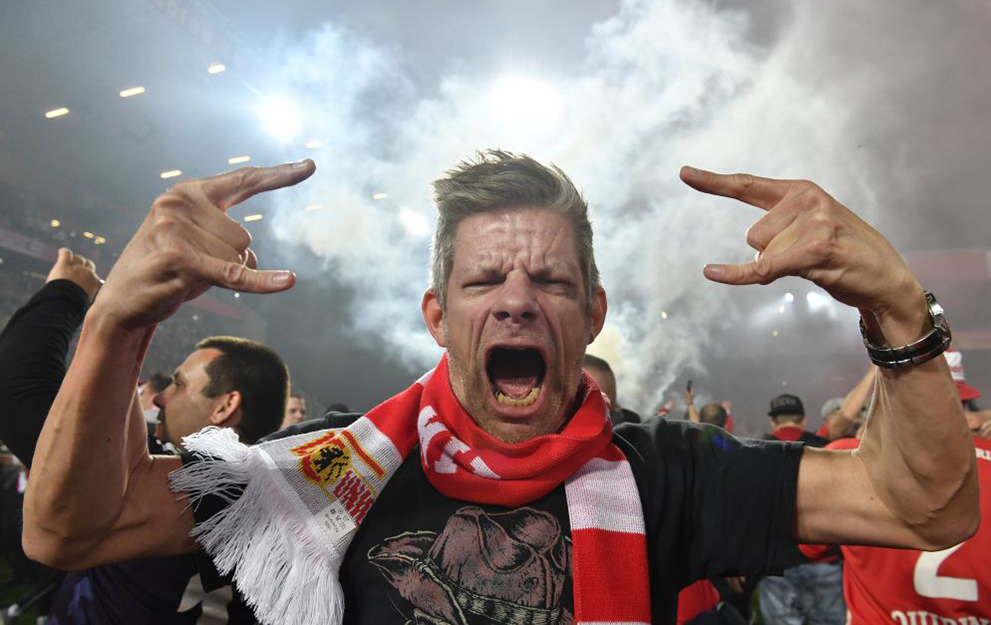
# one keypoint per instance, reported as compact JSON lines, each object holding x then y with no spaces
{"x":516,"y":375}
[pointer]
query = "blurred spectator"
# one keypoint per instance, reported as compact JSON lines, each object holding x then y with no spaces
{"x":811,"y":591}
{"x":600,"y":370}
{"x":713,"y":414}
{"x":977,"y":419}
{"x":295,"y":410}
{"x":788,"y":422}
{"x":843,"y":416}
{"x":147,"y":389}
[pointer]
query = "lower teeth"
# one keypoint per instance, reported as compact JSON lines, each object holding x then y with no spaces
{"x":506,"y":400}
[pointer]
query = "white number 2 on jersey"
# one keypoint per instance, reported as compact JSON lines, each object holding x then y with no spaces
{"x":929,"y":584}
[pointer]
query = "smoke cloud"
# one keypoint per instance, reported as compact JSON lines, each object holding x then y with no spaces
{"x":805,"y":90}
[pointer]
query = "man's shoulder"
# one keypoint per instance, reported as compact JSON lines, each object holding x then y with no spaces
{"x":671,"y":438}
{"x":330,"y":421}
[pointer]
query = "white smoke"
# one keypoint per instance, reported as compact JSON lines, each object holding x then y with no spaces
{"x":663,"y":83}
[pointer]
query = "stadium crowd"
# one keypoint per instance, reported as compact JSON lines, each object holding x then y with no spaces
{"x":218,"y":409}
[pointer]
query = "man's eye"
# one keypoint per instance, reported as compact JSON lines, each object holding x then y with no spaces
{"x":481,"y":283}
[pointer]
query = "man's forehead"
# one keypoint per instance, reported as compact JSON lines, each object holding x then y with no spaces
{"x":195,"y":362}
{"x":486,"y":239}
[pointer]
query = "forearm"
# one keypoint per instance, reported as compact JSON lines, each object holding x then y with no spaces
{"x":33,"y":350}
{"x":917,"y":450}
{"x":853,"y":403}
{"x":90,"y":442}
{"x":693,"y":414}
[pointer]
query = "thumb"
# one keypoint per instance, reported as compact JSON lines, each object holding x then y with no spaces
{"x":64,"y":255}
{"x":238,"y":277}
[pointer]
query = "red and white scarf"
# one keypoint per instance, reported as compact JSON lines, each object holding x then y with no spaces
{"x":284,"y":537}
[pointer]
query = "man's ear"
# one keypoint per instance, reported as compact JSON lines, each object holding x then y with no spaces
{"x":227,"y":413}
{"x":597,"y":319}
{"x":433,"y":316}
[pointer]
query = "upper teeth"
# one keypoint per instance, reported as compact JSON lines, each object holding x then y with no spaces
{"x":506,"y":400}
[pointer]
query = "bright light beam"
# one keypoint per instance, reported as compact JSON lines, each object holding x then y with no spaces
{"x":414,"y":223}
{"x":524,"y":100}
{"x":280,"y":117}
{"x":818,"y":301}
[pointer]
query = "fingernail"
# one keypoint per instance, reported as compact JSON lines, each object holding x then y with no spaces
{"x":691,"y":171}
{"x":281,"y":278}
{"x":714,"y":271}
{"x":301,"y":164}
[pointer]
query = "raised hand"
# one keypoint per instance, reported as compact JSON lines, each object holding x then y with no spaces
{"x":77,"y":269}
{"x":188,"y":243}
{"x":807,"y":233}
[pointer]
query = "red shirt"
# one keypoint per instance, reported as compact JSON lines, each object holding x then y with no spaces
{"x":912,"y":587}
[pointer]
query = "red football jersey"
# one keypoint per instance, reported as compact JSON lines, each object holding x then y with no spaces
{"x":909,"y":587}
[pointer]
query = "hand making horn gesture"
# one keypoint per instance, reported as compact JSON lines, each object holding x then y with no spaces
{"x":807,"y":233}
{"x":188,"y":243}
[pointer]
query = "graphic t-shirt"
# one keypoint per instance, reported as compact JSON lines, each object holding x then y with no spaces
{"x":713,"y":505}
{"x":911,"y":587}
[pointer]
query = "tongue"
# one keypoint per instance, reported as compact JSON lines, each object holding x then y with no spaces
{"x":515,"y":387}
{"x":515,"y":372}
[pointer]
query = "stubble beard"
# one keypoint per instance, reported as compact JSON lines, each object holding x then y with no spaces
{"x":474,"y":388}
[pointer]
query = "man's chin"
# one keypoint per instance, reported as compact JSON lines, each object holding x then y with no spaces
{"x":518,"y":423}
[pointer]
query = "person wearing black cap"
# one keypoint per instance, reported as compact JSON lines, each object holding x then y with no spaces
{"x":788,"y":422}
{"x":806,"y":591}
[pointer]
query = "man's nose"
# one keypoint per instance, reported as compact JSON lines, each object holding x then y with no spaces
{"x":159,"y":398}
{"x":517,"y":303}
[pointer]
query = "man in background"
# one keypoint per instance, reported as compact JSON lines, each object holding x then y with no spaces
{"x":225,"y":382}
{"x":600,"y":370}
{"x":295,"y":410}
{"x":812,"y":591}
{"x":147,"y":389}
{"x":712,"y":413}
{"x":788,"y":422}
{"x":843,"y":416}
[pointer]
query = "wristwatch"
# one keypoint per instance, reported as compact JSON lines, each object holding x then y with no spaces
{"x":928,"y":347}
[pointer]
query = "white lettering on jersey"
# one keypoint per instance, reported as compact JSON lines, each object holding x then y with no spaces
{"x":921,"y":617}
{"x":929,"y":584}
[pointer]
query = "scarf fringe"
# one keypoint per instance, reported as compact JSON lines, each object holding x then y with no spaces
{"x":284,"y":573}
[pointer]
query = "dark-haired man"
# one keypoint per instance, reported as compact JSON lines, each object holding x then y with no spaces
{"x":494,"y":489}
{"x":226,"y":382}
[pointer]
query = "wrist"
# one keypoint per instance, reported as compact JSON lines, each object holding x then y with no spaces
{"x":903,"y":320}
{"x":105,"y":328}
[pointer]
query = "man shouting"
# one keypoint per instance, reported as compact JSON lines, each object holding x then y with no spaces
{"x":494,"y":489}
